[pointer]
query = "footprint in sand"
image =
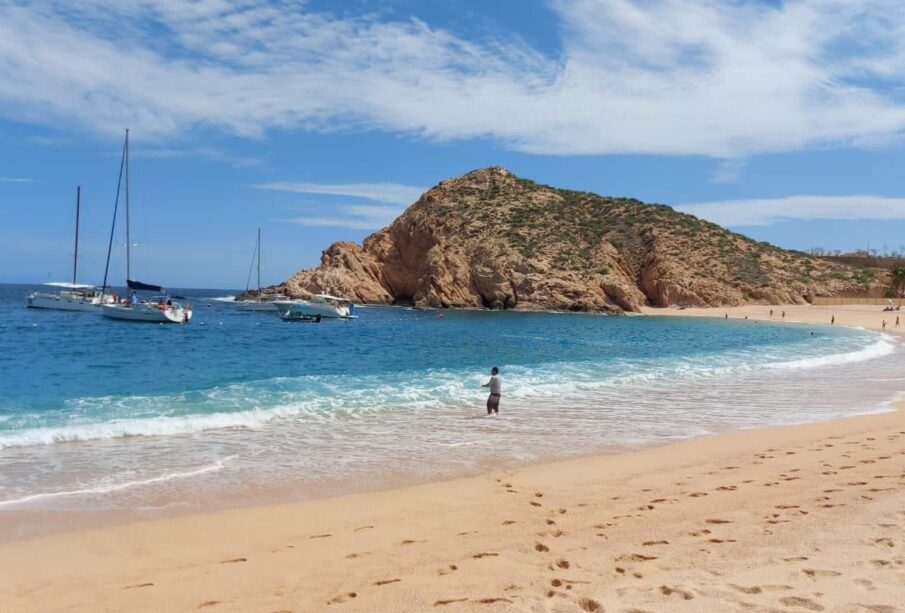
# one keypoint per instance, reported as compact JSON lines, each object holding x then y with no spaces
{"x":754,"y":589}
{"x":534,"y":503}
{"x":561,"y":564}
{"x":386,"y":582}
{"x":652,"y":543}
{"x":703,"y":532}
{"x":360,"y":528}
{"x":449,"y":569}
{"x":508,"y":522}
{"x":440,"y":603}
{"x":342,"y":598}
{"x":484,"y":554}
{"x":813,"y":573}
{"x":587,"y":604}
{"x":320,"y":536}
{"x":541,"y":547}
{"x":233,"y":560}
{"x":208,"y":603}
{"x":717,"y":521}
{"x":634,"y":557}
{"x":670,"y":591}
{"x":137,"y":585}
{"x":804,"y":603}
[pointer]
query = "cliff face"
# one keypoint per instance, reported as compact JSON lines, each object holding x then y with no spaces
{"x":491,"y":239}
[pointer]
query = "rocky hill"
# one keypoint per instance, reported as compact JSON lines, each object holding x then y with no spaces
{"x":491,"y":239}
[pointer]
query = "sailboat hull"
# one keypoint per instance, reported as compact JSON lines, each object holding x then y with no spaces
{"x":63,"y":302}
{"x":150,"y":313}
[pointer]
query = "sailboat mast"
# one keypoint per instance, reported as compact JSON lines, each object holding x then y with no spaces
{"x":75,"y":255}
{"x":259,"y":258}
{"x":128,"y":237}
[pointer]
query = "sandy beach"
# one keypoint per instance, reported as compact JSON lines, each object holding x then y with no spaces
{"x":794,"y":518}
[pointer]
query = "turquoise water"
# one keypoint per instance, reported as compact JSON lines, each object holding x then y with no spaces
{"x":103,"y":414}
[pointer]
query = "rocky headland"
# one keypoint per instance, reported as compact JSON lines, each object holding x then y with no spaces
{"x":491,"y":239}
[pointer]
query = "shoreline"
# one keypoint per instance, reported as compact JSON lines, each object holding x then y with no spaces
{"x":634,"y":528}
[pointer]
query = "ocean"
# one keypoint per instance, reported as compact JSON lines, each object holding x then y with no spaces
{"x":236,"y":408}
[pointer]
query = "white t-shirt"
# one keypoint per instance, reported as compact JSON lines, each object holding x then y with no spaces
{"x":495,"y":383}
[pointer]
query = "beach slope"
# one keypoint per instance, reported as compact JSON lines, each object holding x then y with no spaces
{"x":795,"y":518}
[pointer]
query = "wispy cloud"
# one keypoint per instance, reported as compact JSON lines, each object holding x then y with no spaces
{"x":384,"y":202}
{"x":395,"y":193}
{"x":16,"y":180}
{"x":205,"y":153}
{"x":723,"y":79}
{"x":765,"y":211}
{"x":353,"y":217}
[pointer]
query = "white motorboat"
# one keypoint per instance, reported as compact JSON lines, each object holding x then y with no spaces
{"x":158,"y":309}
{"x":261,"y":303}
{"x":326,"y":305}
{"x":72,"y":296}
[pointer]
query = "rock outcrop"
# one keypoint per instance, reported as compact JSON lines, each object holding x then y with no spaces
{"x":491,"y":239}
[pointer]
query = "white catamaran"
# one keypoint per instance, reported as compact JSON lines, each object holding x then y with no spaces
{"x":159,"y":309}
{"x":72,"y":296}
{"x":259,"y":302}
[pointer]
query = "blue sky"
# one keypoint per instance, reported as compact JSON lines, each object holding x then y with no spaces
{"x":320,"y":121}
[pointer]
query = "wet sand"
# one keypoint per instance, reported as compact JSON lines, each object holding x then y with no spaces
{"x":794,"y":518}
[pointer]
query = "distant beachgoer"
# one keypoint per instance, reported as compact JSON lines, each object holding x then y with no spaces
{"x":746,"y":317}
{"x":771,"y":312}
{"x":897,"y":321}
{"x":884,"y":324}
{"x":832,"y":320}
{"x":783,"y":314}
{"x":495,"y":384}
{"x":727,"y":315}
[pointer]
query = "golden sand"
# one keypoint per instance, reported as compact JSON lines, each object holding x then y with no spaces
{"x":794,"y":518}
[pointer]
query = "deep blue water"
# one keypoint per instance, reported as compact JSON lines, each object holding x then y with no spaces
{"x":90,"y":406}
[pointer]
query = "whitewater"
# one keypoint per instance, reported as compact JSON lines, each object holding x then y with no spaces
{"x":237,"y":406}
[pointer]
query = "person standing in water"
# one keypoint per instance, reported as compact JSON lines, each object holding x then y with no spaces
{"x":495,"y":384}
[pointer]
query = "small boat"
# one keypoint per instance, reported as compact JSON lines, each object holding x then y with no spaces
{"x":326,"y":305}
{"x":261,"y":302}
{"x":72,"y":296}
{"x":157,"y":309}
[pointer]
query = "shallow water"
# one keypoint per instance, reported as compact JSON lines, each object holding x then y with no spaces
{"x":110,"y":416}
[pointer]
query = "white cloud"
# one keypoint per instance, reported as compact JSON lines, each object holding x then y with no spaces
{"x":205,"y":153}
{"x":354,"y":217}
{"x":395,"y":193}
{"x":765,"y":211}
{"x":724,"y":79}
